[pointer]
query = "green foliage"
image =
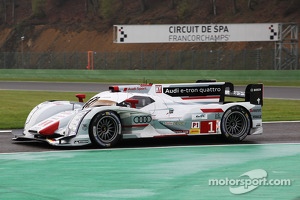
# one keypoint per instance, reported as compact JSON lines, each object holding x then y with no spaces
{"x":183,"y":8}
{"x":38,"y":8}
{"x":108,"y":8}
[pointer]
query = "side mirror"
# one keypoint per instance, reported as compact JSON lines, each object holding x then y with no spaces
{"x":80,"y":97}
{"x":132,"y":102}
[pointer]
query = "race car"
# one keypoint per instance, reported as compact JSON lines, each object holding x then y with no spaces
{"x":148,"y":110}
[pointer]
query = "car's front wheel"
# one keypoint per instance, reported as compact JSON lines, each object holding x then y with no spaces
{"x":235,"y":124}
{"x":105,"y":129}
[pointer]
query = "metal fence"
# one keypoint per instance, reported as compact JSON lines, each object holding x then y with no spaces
{"x":150,"y":60}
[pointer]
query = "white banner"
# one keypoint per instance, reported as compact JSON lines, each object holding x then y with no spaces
{"x":174,"y":33}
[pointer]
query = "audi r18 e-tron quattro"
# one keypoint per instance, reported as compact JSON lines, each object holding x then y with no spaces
{"x":148,"y":110}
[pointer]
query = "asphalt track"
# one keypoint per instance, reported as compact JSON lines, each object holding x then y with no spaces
{"x":177,"y":168}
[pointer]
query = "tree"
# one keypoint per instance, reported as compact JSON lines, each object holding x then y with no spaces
{"x":214,"y":6}
{"x":3,"y":9}
{"x":94,"y":5}
{"x":38,"y":8}
{"x":143,"y":5}
{"x":172,"y":4}
{"x":234,"y":6}
{"x":251,"y":3}
{"x":107,"y":8}
{"x":13,"y":10}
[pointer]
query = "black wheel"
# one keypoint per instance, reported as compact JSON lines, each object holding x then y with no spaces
{"x":105,"y":129}
{"x":235,"y":124}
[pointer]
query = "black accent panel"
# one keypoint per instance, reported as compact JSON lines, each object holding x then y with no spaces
{"x":206,"y":81}
{"x":254,"y":94}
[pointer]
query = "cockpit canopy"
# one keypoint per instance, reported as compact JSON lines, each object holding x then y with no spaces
{"x":135,"y":101}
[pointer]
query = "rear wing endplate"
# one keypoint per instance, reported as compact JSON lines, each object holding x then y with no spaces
{"x":253,"y":94}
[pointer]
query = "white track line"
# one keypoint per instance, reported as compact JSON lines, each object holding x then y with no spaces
{"x":5,"y":131}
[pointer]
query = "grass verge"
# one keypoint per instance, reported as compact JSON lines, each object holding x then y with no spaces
{"x":16,"y":105}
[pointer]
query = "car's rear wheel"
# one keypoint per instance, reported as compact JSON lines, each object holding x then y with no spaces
{"x":235,"y":124}
{"x":105,"y":129}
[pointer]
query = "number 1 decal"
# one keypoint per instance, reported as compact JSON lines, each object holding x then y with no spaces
{"x":211,"y":128}
{"x":208,"y":127}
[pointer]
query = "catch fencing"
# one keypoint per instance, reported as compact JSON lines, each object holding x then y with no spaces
{"x":144,"y":60}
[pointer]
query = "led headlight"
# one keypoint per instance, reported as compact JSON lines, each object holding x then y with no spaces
{"x":75,"y":123}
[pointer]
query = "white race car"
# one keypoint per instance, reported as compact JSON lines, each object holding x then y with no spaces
{"x":148,"y":110}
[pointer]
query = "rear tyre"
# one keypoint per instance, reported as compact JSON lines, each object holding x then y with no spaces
{"x":105,"y":129}
{"x":235,"y":124}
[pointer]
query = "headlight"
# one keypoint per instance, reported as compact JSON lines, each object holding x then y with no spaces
{"x":75,"y":123}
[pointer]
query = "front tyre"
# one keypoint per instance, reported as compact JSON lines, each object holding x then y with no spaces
{"x":235,"y":124}
{"x":105,"y":129}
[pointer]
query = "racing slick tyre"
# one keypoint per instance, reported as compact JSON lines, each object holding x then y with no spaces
{"x":105,"y":129}
{"x":235,"y":124}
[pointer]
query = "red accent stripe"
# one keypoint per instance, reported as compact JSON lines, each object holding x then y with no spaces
{"x":212,"y":110}
{"x":200,"y":97}
{"x":49,"y":130}
{"x":170,"y":135}
{"x":136,"y":125}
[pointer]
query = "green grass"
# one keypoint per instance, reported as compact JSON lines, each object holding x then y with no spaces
{"x":16,"y":105}
{"x":238,"y":77}
{"x":281,"y":110}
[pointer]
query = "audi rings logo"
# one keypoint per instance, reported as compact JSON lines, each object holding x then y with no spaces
{"x":142,"y":119}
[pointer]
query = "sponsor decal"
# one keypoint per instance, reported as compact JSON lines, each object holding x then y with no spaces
{"x":255,"y":89}
{"x":195,"y":125}
{"x":142,"y":119}
{"x":158,"y":88}
{"x":199,"y":116}
{"x":180,"y":123}
{"x":256,"y":117}
{"x":217,"y":116}
{"x":168,"y":123}
{"x":195,"y":131}
{"x":193,"y":91}
{"x":134,"y":89}
{"x":255,"y":110}
{"x":182,"y":131}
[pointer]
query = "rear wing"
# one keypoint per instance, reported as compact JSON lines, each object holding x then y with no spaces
{"x":253,"y":93}
{"x":202,"y":90}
